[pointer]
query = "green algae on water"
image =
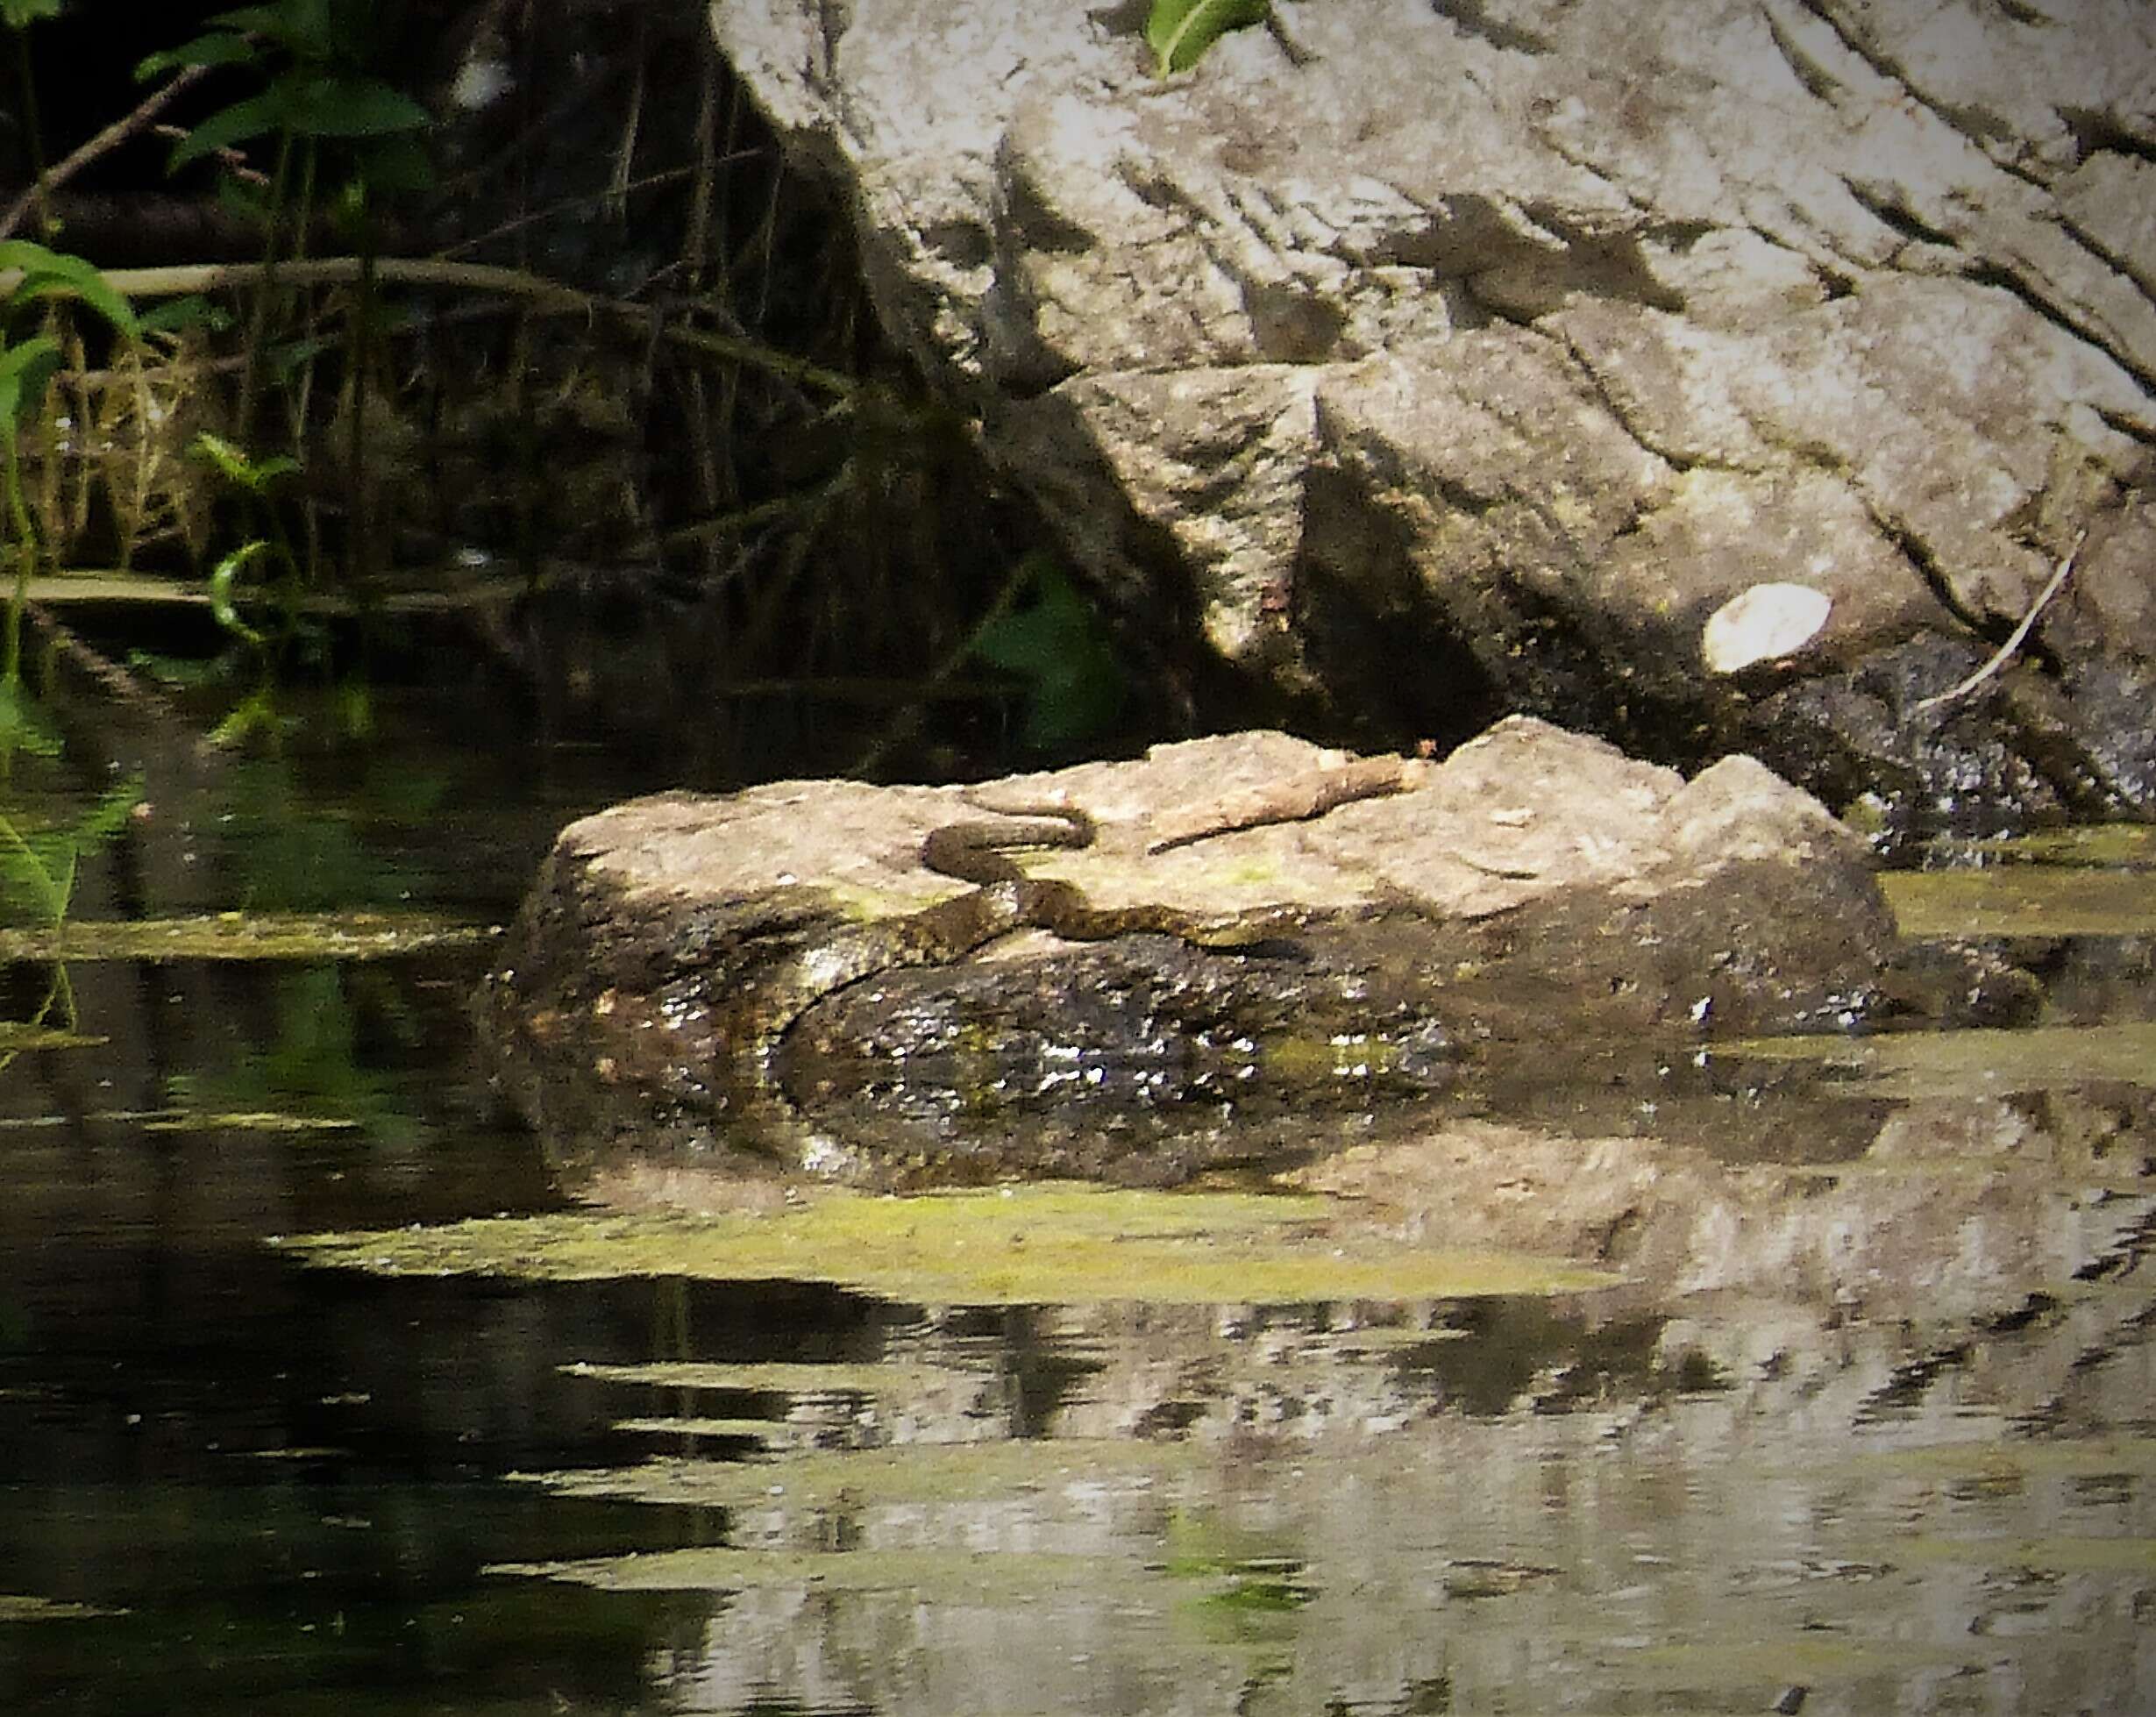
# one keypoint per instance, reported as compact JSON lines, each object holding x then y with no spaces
{"x":246,"y":1120}
{"x":183,"y":1120}
{"x":956,"y":1575}
{"x":2060,"y":1554}
{"x":2022,"y":899}
{"x":2105,"y":843}
{"x":913,"y":1475}
{"x":1018,"y":1245}
{"x":1767,"y":1661}
{"x":1047,"y":1478}
{"x":243,"y":935}
{"x":2020,"y":1457}
{"x":1973,"y":1062}
{"x":1237,"y":1587}
{"x":27,"y":1607}
{"x":773,"y":1434}
{"x":15,"y":1035}
{"x":775,"y":1377}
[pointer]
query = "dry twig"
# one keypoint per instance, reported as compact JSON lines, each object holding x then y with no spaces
{"x":106,"y":140}
{"x":2014,"y":639}
{"x":1294,"y":800}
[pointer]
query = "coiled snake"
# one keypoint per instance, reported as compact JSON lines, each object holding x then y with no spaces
{"x":1005,"y":898}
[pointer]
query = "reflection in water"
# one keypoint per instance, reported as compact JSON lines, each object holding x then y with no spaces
{"x":1531,"y":1506}
{"x":1904,"y":1469}
{"x":1867,"y":1428}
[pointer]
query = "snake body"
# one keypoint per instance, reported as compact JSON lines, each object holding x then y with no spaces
{"x":1005,"y":898}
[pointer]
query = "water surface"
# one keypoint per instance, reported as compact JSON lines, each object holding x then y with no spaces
{"x":1865,"y":1426}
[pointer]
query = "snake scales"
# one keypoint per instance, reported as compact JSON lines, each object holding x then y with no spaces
{"x":1005,"y":898}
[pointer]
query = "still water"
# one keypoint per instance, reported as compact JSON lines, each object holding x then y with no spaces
{"x":1867,"y":1428}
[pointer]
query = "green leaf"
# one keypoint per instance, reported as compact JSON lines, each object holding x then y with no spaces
{"x":1180,"y":31}
{"x":21,"y":14}
{"x":239,"y":467}
{"x":34,"y":881}
{"x":36,"y":357}
{"x":38,"y":869}
{"x":248,"y":204}
{"x":395,"y":165}
{"x":256,"y":117}
{"x":302,"y":27}
{"x":177,"y":315}
{"x":224,"y":581}
{"x":179,"y":673}
{"x":309,"y":105}
{"x":22,"y":724}
{"x":220,"y":48}
{"x":48,"y":274}
{"x":110,"y":814}
{"x":255,"y":714}
{"x":288,"y":358}
{"x":269,"y":20}
{"x":349,"y":107}
{"x":1059,"y":647}
{"x":25,"y":369}
{"x":229,"y":458}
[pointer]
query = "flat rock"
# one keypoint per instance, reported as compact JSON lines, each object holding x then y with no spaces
{"x":1534,"y":886}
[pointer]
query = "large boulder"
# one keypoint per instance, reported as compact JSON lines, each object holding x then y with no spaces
{"x":1446,"y":357}
{"x":690,"y":981}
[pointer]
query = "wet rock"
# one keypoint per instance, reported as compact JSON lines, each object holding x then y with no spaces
{"x":1958,"y":984}
{"x":1529,"y":346}
{"x":1532,"y":895}
{"x":1953,"y":1210}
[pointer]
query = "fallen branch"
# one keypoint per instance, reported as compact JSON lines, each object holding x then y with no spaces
{"x":1294,"y":800}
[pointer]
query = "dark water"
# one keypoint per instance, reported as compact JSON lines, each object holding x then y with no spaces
{"x":1881,"y":1436}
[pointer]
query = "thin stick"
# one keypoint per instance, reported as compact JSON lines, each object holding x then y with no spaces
{"x":541,"y":293}
{"x":106,"y":140}
{"x":2013,"y":639}
{"x":665,"y":176}
{"x":1312,"y":793}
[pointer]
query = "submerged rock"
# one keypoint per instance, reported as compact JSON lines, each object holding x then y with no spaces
{"x":694,"y":979}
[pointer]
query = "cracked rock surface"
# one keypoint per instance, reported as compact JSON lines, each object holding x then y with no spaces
{"x":1474,"y":353}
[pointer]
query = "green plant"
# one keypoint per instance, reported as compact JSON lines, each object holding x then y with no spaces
{"x":27,"y":360}
{"x":37,"y":881}
{"x":18,"y":16}
{"x":36,"y":869}
{"x":264,"y":560}
{"x":324,"y":110}
{"x":1179,"y":32}
{"x":36,"y":278}
{"x":1054,"y":642}
{"x":330,"y":119}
